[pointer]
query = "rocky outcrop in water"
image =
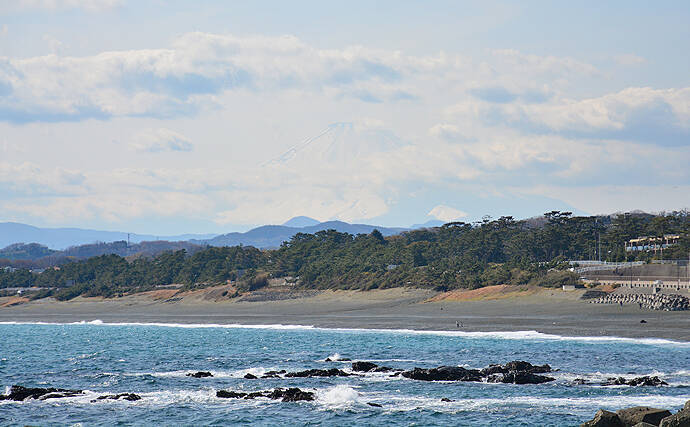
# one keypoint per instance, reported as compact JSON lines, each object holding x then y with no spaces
{"x":200,"y":374}
{"x":20,"y":393}
{"x":285,"y":395}
{"x":273,"y":374}
{"x":518,"y":377}
{"x":333,"y":372}
{"x":369,"y":367}
{"x":638,"y":381}
{"x":443,"y":373}
{"x":124,"y":396}
{"x":515,"y":365}
{"x":515,"y":372}
{"x":670,"y":302}
{"x":640,"y":416}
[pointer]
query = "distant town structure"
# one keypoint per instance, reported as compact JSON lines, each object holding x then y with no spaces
{"x":651,"y":243}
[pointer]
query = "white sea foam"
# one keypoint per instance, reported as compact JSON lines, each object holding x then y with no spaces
{"x":505,"y":335}
{"x":338,"y":396}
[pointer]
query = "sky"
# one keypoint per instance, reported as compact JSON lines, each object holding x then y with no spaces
{"x":170,"y":117}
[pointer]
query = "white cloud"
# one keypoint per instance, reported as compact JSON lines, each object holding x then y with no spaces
{"x":447,"y":214}
{"x":159,"y":140}
{"x":188,"y":76}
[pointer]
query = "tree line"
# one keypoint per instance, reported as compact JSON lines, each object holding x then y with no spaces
{"x":455,"y":255}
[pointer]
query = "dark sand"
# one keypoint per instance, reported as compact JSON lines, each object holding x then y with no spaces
{"x":553,"y":312}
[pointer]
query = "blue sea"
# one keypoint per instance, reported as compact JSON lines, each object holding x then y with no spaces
{"x":152,"y":360}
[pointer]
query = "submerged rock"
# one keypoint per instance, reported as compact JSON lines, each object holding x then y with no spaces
{"x":333,"y":372}
{"x":249,"y":376}
{"x":20,"y":393}
{"x":375,"y":405}
{"x":200,"y":374}
{"x":273,"y":374}
{"x":124,"y":396}
{"x":647,"y":381}
{"x":443,"y":373}
{"x":286,"y":395}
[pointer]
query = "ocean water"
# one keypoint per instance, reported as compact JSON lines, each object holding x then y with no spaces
{"x":152,"y":360}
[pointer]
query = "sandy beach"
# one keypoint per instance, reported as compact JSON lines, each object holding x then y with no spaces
{"x":496,"y":309}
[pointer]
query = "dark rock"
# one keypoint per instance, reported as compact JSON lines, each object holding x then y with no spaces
{"x":395,"y":374}
{"x":364,"y":366}
{"x":291,"y":395}
{"x":515,"y":365}
{"x":443,"y":373}
{"x":230,"y":394}
{"x":328,"y":359}
{"x":124,"y":396}
{"x":200,"y":374}
{"x":521,"y":366}
{"x":333,"y":372}
{"x":647,"y":381}
{"x":637,"y":381}
{"x":580,"y":381}
{"x":493,"y":369}
{"x":273,"y":374}
{"x":679,"y":419}
{"x":445,"y":399}
{"x":603,"y":418}
{"x":286,"y":395}
{"x":643,"y":321}
{"x":375,"y":405}
{"x":20,"y":393}
{"x":249,"y":376}
{"x":519,"y":377}
{"x":639,"y":414}
{"x":344,"y":359}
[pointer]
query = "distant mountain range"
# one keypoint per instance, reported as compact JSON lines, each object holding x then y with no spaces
{"x":268,"y":236}
{"x":271,"y":236}
{"x":61,"y":238}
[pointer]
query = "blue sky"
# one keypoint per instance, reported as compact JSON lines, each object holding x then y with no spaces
{"x":171,"y":117}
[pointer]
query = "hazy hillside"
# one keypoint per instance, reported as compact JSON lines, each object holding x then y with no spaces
{"x":61,"y":238}
{"x":271,"y":236}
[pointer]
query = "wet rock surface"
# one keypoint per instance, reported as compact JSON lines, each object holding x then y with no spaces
{"x":286,"y":395}
{"x":518,"y":377}
{"x":443,"y":373}
{"x":515,"y":372}
{"x":124,"y":396}
{"x":647,"y":381}
{"x":333,"y":372}
{"x":20,"y":393}
{"x":370,"y":367}
{"x":200,"y":374}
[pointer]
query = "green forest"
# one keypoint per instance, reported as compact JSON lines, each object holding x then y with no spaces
{"x":455,"y":255}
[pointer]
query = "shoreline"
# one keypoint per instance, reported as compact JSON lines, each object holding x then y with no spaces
{"x":550,"y":312}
